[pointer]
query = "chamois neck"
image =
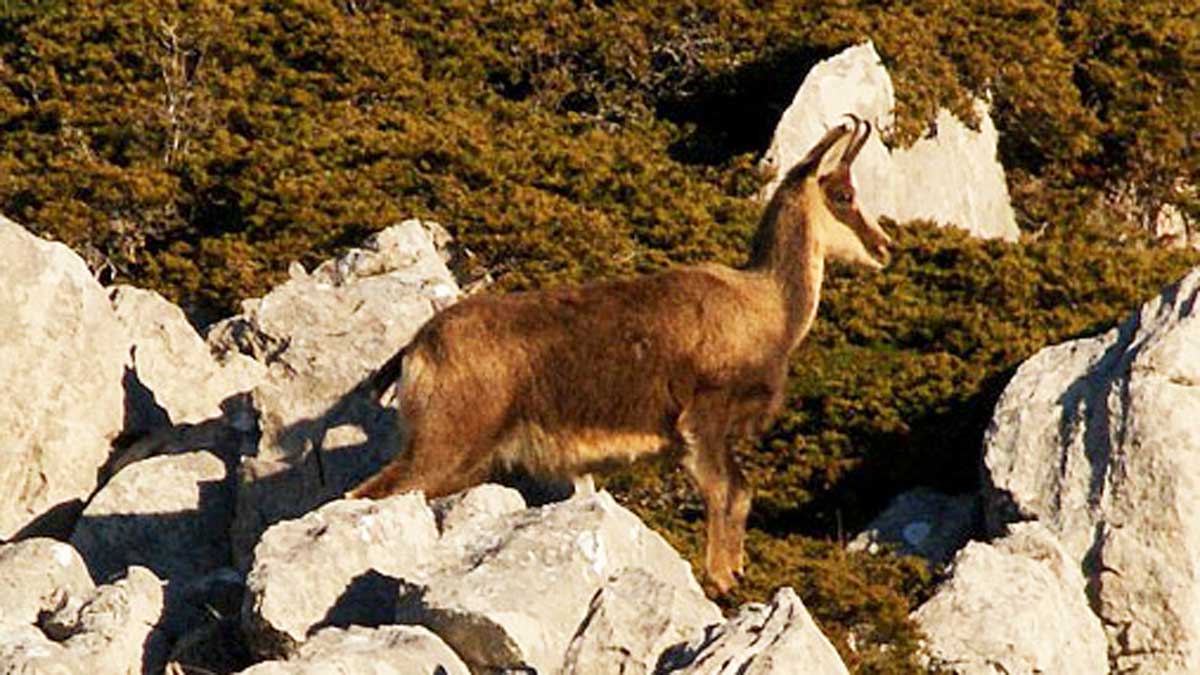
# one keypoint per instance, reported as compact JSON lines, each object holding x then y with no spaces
{"x":787,"y":250}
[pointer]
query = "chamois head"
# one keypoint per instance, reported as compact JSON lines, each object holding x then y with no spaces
{"x":821,"y":188}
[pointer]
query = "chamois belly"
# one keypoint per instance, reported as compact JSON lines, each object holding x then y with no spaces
{"x":571,"y":452}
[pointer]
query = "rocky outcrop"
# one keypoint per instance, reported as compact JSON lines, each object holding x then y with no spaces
{"x":111,"y":632}
{"x":471,"y":582}
{"x":40,"y":575}
{"x":923,"y":523}
{"x":1096,"y":439}
{"x":65,"y":359}
{"x":778,"y":637}
{"x":319,"y":335}
{"x":504,"y":587}
{"x":632,"y":620}
{"x":1016,"y":605}
{"x":952,"y":177}
{"x":184,"y":383}
{"x":387,"y":650}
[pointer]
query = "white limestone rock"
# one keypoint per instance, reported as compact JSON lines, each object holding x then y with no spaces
{"x":502,"y":585}
{"x":511,"y":592}
{"x":112,"y":632}
{"x":319,"y":335}
{"x":387,"y":650}
{"x":170,"y":514}
{"x":1096,"y":438}
{"x":64,"y":354}
{"x":337,"y":565}
{"x":40,"y":575}
{"x":771,"y":639}
{"x":632,"y":620}
{"x":953,"y":177}
{"x":1015,"y":606}
{"x":178,"y":369}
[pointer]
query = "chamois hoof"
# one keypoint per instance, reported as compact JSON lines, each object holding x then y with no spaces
{"x":717,"y":585}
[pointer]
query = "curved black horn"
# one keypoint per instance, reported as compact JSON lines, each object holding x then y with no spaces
{"x":857,"y":140}
{"x":814,"y":155}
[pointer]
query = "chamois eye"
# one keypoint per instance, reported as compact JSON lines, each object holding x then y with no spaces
{"x":843,"y":198}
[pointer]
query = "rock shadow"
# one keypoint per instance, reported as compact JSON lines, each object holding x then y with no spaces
{"x":371,"y":599}
{"x":1086,"y":402}
{"x":734,"y":112}
{"x":312,"y":461}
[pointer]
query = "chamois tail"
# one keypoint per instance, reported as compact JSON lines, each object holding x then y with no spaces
{"x":384,"y":376}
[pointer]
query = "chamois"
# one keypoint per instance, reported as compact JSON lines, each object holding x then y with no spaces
{"x":570,"y":381}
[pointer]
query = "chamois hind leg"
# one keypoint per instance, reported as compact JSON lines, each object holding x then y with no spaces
{"x":409,"y":473}
{"x":435,"y":463}
{"x":709,"y":461}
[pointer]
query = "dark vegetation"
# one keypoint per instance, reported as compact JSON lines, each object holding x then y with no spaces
{"x":199,"y":147}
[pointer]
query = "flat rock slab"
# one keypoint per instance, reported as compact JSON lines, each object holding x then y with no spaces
{"x":1015,"y":606}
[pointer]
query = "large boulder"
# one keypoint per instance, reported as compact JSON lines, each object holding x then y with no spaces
{"x":1014,"y":606}
{"x":511,"y":592}
{"x":763,"y":639}
{"x":65,"y":359}
{"x":336,"y":566}
{"x":951,"y":177}
{"x":319,"y":335}
{"x":386,"y":650}
{"x":504,"y":586}
{"x":1096,"y":438}
{"x":170,"y":514}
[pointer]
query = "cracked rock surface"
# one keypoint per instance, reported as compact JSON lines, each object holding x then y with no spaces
{"x":1097,"y":440}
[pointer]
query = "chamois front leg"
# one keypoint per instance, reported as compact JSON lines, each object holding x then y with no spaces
{"x":712,"y":468}
{"x":740,"y":498}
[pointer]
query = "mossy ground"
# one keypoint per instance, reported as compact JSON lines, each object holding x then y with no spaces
{"x":199,"y":146}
